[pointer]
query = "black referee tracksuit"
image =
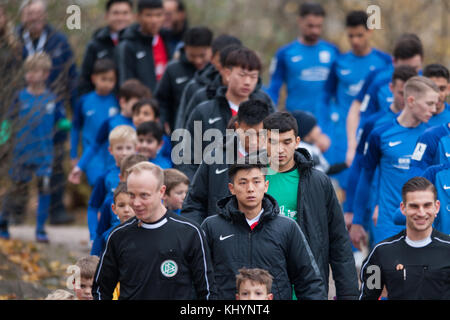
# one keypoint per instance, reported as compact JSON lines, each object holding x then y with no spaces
{"x":161,"y":260}
{"x":408,"y":272}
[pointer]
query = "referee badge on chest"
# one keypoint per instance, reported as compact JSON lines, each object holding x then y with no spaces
{"x":169,"y":268}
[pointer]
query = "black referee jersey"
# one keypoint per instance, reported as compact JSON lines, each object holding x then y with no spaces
{"x":408,"y":272}
{"x":161,"y":260}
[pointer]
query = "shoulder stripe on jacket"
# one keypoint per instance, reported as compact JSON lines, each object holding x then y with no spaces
{"x":368,"y":259}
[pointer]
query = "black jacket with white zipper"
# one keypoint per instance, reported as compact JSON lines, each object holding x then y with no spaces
{"x":276,"y":244}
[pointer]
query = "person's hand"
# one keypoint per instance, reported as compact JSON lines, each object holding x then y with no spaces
{"x":348,"y":218}
{"x":358,"y":236}
{"x":323,"y":142}
{"x":75,"y":175}
{"x":73,"y":162}
{"x":375,"y":215}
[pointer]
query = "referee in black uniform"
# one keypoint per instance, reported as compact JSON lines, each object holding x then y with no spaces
{"x":415,"y":264}
{"x":157,"y":254}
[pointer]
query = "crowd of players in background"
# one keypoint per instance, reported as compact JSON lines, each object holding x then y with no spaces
{"x":369,"y":124}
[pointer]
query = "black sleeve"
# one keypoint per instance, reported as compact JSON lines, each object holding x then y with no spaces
{"x":201,"y":265}
{"x":370,"y":269}
{"x":195,"y":205}
{"x":107,"y":273}
{"x":340,"y":251}
{"x":126,"y":62}
{"x":189,"y":168}
{"x":164,"y":94}
{"x":85,"y":85}
{"x":302,"y":267}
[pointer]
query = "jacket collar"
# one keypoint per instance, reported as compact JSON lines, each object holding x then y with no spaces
{"x":228,"y":208}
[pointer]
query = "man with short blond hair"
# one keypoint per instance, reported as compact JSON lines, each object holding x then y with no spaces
{"x":156,"y":254}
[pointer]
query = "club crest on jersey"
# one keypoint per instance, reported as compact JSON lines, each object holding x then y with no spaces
{"x":169,"y":268}
{"x":112,"y":111}
{"x":324,"y":56}
{"x":50,"y":107}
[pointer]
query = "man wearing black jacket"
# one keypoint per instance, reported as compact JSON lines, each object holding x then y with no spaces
{"x":119,"y":15}
{"x":204,"y":77}
{"x":144,"y":51}
{"x":195,"y":55}
{"x":156,"y":255}
{"x":307,"y":196}
{"x":248,"y":231}
{"x":414,"y":264}
{"x":210,"y":182}
{"x":242,"y":73}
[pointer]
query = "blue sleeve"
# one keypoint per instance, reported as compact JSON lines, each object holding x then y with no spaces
{"x":105,"y":217}
{"x":277,"y":78}
{"x":77,"y":124}
{"x":98,"y":194}
{"x":369,"y":164}
{"x":370,"y":100}
{"x":424,"y":153}
{"x":100,"y":139}
{"x":366,"y":85}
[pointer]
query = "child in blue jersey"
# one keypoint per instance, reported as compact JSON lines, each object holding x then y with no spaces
{"x":150,"y":143}
{"x":346,"y":79}
{"x":304,"y":64}
{"x":91,"y":111}
{"x":177,"y":184}
{"x":122,"y":143}
{"x":130,"y":92}
{"x":35,"y":115}
{"x":108,"y":220}
{"x":390,"y":147}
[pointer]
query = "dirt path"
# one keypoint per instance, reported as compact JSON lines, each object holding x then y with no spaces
{"x":30,"y":270}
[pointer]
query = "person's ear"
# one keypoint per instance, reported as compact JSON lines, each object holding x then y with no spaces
{"x":270,"y":296}
{"x":266,"y":187}
{"x":237,"y":296}
{"x":231,"y":188}
{"x":403,"y":208}
{"x":438,"y":207}
{"x":297,"y":140}
{"x":410,"y":100}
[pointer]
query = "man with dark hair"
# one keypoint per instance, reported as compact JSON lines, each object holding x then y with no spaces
{"x":208,"y":91}
{"x":344,"y":82}
{"x":307,"y":196}
{"x":375,"y":94}
{"x":415,"y":263}
{"x":441,"y":77}
{"x":210,"y":181}
{"x":248,"y":231}
{"x":401,"y":75}
{"x":145,"y":50}
{"x":210,"y":74}
{"x":194,"y":56}
{"x":242,"y":74}
{"x":175,"y":21}
{"x":303,"y":65}
{"x":391,"y":147}
{"x":118,"y":16}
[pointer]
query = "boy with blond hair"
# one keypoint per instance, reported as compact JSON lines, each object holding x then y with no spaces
{"x":87,"y":266}
{"x":122,"y":143}
{"x":177,"y":184}
{"x":253,"y":284}
{"x":35,"y":115}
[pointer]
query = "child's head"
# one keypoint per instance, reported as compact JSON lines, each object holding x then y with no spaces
{"x":122,"y":203}
{"x":130,"y":92}
{"x":128,"y":162}
{"x":144,"y":110}
{"x":177,"y":184}
{"x":87,"y":266}
{"x":253,"y":284}
{"x":37,"y":68}
{"x":104,"y":76}
{"x":60,"y":295}
{"x":122,"y":142}
{"x":150,"y":139}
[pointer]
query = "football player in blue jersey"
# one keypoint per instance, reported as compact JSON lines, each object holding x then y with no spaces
{"x":441,"y":76}
{"x":407,"y":51}
{"x":391,"y":147}
{"x":304,"y":64}
{"x":344,"y":82}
